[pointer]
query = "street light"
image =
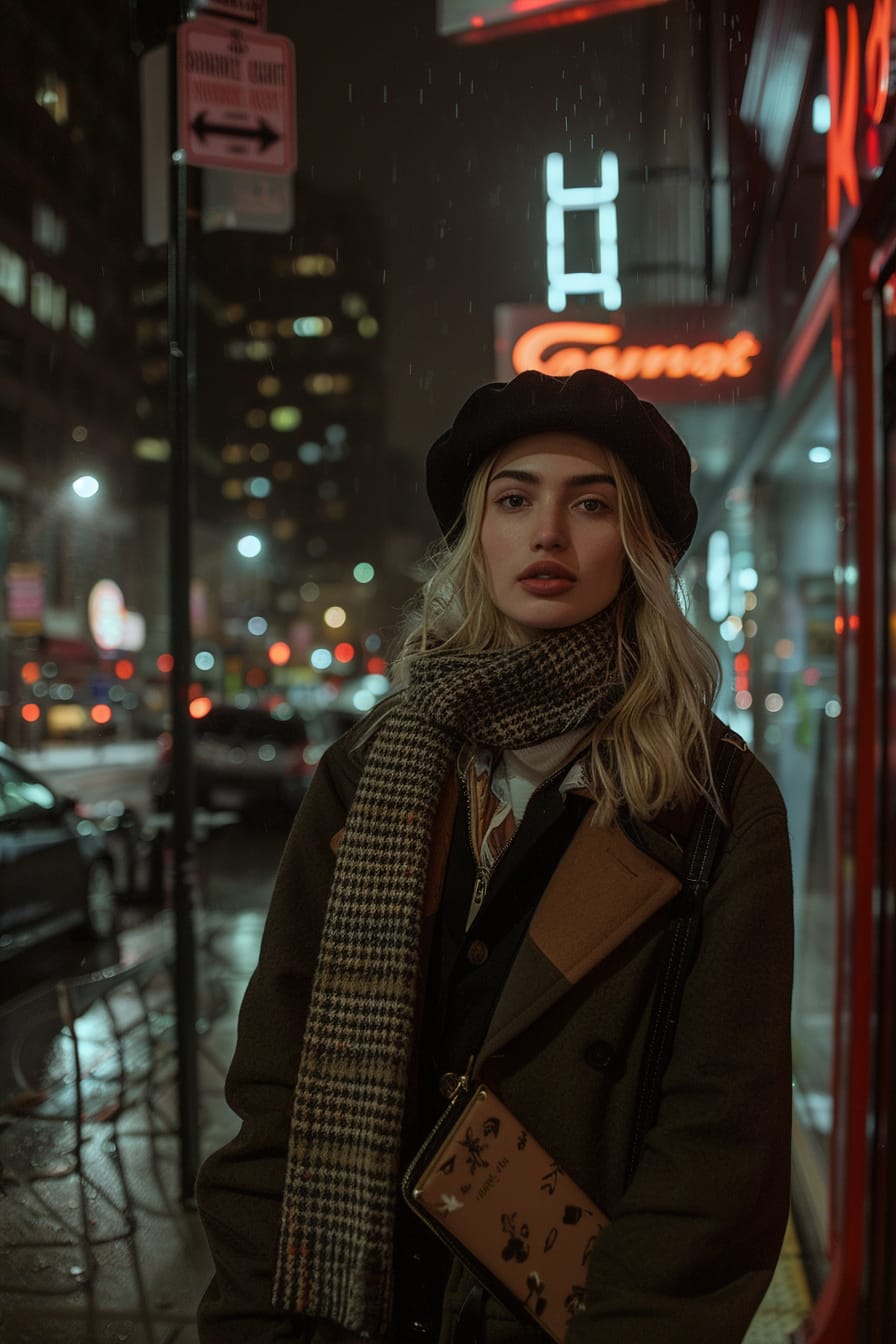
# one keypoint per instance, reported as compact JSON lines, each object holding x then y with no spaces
{"x":249,"y":546}
{"x":85,"y":487}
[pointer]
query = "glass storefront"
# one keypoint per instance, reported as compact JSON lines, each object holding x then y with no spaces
{"x":796,"y":704}
{"x":767,"y":602}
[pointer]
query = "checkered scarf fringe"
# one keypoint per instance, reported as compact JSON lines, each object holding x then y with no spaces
{"x":335,"y":1254}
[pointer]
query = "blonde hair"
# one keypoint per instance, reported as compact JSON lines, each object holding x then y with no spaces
{"x":651,"y":750}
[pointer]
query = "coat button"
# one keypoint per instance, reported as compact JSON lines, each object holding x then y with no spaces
{"x":477,"y":953}
{"x":599,"y":1054}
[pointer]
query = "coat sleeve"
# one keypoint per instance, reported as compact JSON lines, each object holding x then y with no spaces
{"x":239,"y":1188}
{"x":694,"y":1240}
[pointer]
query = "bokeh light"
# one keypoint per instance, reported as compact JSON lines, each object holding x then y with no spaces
{"x":249,"y":546}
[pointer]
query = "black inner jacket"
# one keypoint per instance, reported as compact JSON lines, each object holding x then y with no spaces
{"x":461,"y":995}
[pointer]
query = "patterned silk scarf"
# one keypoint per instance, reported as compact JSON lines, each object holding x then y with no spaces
{"x":335,"y":1255}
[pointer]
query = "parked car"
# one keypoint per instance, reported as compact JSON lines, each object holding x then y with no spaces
{"x":56,"y":866}
{"x":249,"y":760}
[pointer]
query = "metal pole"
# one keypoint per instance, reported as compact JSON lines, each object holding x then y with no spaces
{"x":182,"y":234}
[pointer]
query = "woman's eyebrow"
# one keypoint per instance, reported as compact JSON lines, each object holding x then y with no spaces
{"x":532,"y":478}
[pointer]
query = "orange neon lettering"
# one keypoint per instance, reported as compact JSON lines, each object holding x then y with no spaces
{"x":562,"y":348}
{"x":877,"y":60}
{"x":841,"y":146}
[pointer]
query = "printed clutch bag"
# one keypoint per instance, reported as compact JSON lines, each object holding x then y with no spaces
{"x":505,"y":1208}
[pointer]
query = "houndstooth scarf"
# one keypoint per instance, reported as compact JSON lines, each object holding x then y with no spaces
{"x":335,"y":1256}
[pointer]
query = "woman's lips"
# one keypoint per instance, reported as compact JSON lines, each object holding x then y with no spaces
{"x":546,"y":587}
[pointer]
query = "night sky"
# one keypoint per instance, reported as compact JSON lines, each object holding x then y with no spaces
{"x":446,"y":143}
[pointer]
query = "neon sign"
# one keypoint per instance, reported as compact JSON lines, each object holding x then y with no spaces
{"x":561,"y":348}
{"x":600,"y":198}
{"x":845,"y":95}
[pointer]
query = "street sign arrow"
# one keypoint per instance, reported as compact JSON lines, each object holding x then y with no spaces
{"x":263,"y":133}
{"x":236,"y":98}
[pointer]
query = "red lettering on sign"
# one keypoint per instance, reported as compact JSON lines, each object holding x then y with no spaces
{"x":563,"y":347}
{"x":844,"y":94}
{"x":877,"y":60}
{"x":842,"y":167}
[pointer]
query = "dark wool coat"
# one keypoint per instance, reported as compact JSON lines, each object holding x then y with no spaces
{"x":694,"y":1239}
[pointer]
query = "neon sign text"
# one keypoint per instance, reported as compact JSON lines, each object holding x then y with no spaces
{"x":564,"y":347}
{"x":844,"y":94}
{"x":600,"y":198}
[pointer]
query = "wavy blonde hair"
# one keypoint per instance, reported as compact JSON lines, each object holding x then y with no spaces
{"x":651,"y":751}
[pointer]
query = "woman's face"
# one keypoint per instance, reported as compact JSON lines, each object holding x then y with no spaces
{"x":550,"y":532}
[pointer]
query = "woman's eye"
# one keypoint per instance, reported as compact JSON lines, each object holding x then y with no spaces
{"x":511,"y":501}
{"x":594,"y":505}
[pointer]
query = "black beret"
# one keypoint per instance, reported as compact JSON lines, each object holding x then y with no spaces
{"x":589,"y":402}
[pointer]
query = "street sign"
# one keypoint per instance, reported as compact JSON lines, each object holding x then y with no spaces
{"x":236,"y":98}
{"x":252,"y":12}
{"x":252,"y":202}
{"x":25,"y":598}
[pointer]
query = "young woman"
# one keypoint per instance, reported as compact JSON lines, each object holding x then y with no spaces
{"x":444,"y":897}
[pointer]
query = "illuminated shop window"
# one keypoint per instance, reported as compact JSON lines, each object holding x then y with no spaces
{"x":48,"y":229}
{"x":82,"y":320}
{"x":325,"y":384}
{"x":13,"y":277}
{"x":51,"y":94}
{"x":312,"y":326}
{"x":313,"y":263}
{"x":48,"y":300}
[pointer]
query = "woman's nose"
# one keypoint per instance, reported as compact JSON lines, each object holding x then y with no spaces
{"x":550,"y":533}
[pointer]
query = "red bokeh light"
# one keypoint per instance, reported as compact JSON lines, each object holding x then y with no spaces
{"x":344,"y":653}
{"x":101,"y":713}
{"x":124,"y":669}
{"x":256,"y":676}
{"x":200,"y":707}
{"x":31,"y":673}
{"x":377,"y":666}
{"x":165,"y":662}
{"x":280,"y":653}
{"x":31,"y":713}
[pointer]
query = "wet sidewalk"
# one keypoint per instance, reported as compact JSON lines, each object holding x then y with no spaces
{"x":95,"y":1244}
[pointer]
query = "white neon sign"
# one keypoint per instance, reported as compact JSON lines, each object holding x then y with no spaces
{"x":602,"y":199}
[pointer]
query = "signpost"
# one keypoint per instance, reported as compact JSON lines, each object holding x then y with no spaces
{"x":230,"y":92}
{"x":236,"y":98}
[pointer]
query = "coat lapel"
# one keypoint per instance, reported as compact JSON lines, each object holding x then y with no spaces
{"x":602,"y":890}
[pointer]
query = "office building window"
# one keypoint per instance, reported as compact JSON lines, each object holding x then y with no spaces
{"x":82,"y":320}
{"x":48,"y":300}
{"x":48,"y":229}
{"x":13,"y":277}
{"x":51,"y":93}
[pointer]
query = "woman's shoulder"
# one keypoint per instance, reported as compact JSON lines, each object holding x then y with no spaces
{"x":755,"y":791}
